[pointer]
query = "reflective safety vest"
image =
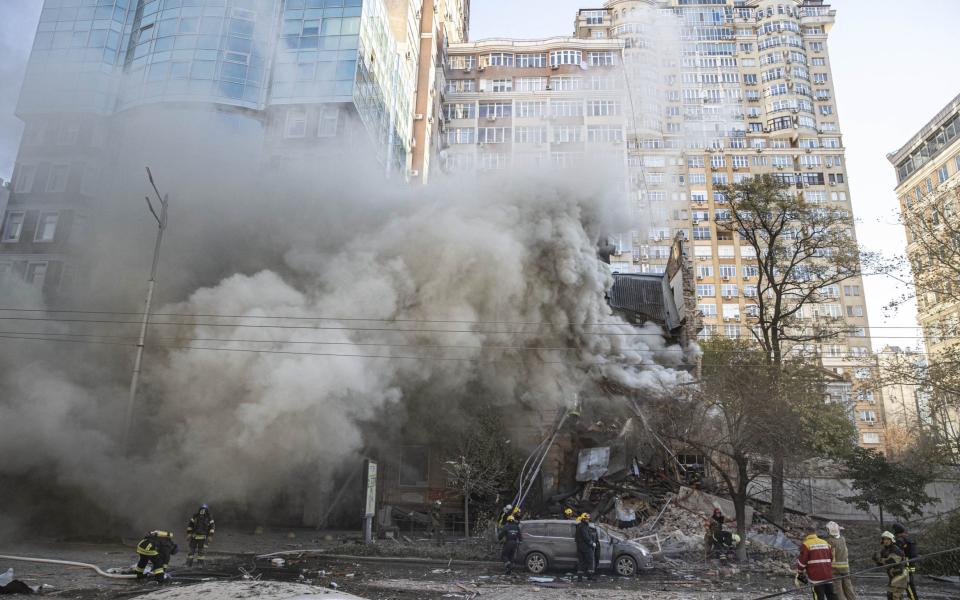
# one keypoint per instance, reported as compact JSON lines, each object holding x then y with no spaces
{"x":816,"y":559}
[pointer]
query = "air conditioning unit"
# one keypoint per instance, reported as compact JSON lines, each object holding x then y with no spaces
{"x":746,"y":278}
{"x":468,"y":70}
{"x":833,"y":184}
{"x":418,"y":117}
{"x":759,"y":150}
{"x":555,"y":67}
{"x":809,"y":150}
{"x":413,"y":173}
{"x":779,"y":167}
{"x":481,"y":68}
{"x":430,"y":120}
{"x":725,"y":278}
{"x":492,"y":118}
{"x":700,"y":277}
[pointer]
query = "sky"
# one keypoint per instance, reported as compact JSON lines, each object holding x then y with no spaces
{"x":894,"y":69}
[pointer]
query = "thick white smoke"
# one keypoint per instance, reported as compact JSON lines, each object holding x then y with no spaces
{"x":469,"y":288}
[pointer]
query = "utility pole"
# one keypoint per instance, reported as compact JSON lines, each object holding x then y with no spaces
{"x":135,"y":379}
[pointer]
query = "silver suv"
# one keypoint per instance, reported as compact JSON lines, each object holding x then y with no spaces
{"x":550,"y":544}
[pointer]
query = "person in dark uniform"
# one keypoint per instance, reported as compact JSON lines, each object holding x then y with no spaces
{"x":436,"y":522}
{"x":909,"y":547}
{"x":585,"y":547}
{"x":200,"y":533}
{"x":511,"y":537}
{"x":892,"y":557}
{"x":155,"y":549}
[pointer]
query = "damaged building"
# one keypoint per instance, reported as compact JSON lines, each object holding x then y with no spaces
{"x":591,"y":437}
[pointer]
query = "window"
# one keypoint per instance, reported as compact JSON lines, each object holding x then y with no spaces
{"x":594,"y":17}
{"x":36,"y":274}
{"x":459,"y":86}
{"x":704,"y":270}
{"x":57,"y":182}
{"x":25,"y":176}
{"x":13,"y":226}
{"x":731,"y":311}
{"x":731,"y":331}
{"x":942,"y":174}
{"x":531,"y":84}
{"x":707,"y":310}
{"x":604,"y":133}
{"x":565,"y":57}
{"x":462,"y":62}
{"x":729,"y":290}
{"x":493,"y":135}
{"x":46,"y":227}
{"x":460,"y":110}
{"x":497,"y":59}
{"x":855,"y":311}
{"x":530,"y":135}
{"x":460,"y":135}
{"x":728,"y":271}
{"x":750,"y":291}
{"x":566,"y":108}
{"x":502,"y":85}
{"x":296,"y":126}
{"x":414,"y":465}
{"x":329,"y":122}
{"x":871,"y":437}
{"x":870,"y":416}
{"x":751,"y":271}
{"x":531,"y":61}
{"x":705,"y":289}
{"x":566,"y":84}
{"x":531,"y":109}
{"x":492,"y":110}
{"x":565,"y":134}
{"x":603,"y":108}
{"x":600,"y":59}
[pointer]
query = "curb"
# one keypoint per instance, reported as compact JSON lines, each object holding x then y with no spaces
{"x":369,"y":559}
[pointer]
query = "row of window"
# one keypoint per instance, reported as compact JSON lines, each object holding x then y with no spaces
{"x":927,"y":186}
{"x":57,"y":176}
{"x":488,"y":161}
{"x":45,"y":231}
{"x":560,"y":83}
{"x":537,"y":60}
{"x":34,"y":275}
{"x":535,"y":109}
{"x":560,"y":134}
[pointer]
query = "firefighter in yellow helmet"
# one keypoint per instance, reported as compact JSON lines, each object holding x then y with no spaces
{"x":586,"y":545}
{"x":155,"y":549}
{"x":568,"y":513}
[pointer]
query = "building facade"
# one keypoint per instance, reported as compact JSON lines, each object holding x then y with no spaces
{"x":531,"y":104}
{"x":928,"y":186}
{"x":295,"y":77}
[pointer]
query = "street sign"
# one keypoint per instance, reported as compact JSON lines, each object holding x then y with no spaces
{"x":370,"y":504}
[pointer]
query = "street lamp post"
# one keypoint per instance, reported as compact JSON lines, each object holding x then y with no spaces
{"x":138,"y":361}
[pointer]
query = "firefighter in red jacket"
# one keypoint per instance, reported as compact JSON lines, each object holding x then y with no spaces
{"x":815,"y":565}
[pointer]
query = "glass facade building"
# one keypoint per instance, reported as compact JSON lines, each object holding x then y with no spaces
{"x":107,"y":56}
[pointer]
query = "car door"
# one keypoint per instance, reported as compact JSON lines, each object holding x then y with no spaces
{"x":606,"y":548}
{"x":563,"y":546}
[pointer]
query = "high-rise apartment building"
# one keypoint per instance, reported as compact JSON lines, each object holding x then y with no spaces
{"x":294,"y":77}
{"x":687,"y":95}
{"x":531,"y":104}
{"x":928,"y":186}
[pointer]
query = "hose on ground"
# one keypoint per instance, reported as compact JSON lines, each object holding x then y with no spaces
{"x":69,"y":563}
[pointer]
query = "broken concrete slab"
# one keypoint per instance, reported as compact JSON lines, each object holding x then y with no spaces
{"x":704,"y":503}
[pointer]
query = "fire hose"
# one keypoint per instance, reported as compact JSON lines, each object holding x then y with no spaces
{"x":810,"y":586}
{"x":70,"y":563}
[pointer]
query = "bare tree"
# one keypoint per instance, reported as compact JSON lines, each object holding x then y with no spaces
{"x":485,"y":462}
{"x":730,"y":420}
{"x":802,"y":252}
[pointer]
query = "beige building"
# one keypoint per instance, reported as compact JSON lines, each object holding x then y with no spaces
{"x":531,"y":103}
{"x":928,"y":185}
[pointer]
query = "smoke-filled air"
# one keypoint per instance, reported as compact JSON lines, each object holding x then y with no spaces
{"x":294,"y":315}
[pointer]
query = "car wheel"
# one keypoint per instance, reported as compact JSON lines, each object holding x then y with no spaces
{"x":536,"y":563}
{"x":625,"y":566}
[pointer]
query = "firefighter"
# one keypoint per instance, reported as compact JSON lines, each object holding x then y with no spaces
{"x":511,"y":537}
{"x":585,"y":547}
{"x":568,"y":513}
{"x":893,"y":557}
{"x":200,"y":534}
{"x":155,"y":550}
{"x":909,"y":548}
{"x":842,"y":588}
{"x":436,"y":522}
{"x":815,"y":565}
